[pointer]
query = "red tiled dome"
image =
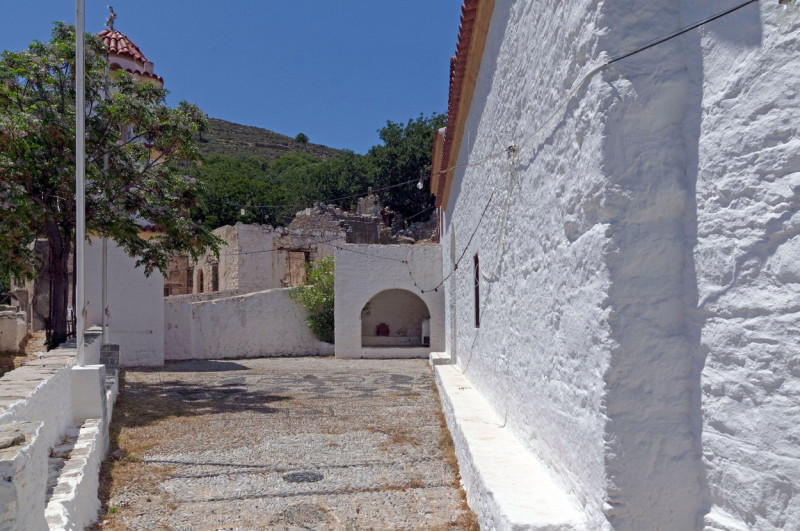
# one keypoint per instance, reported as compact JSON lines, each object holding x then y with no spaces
{"x":119,"y":44}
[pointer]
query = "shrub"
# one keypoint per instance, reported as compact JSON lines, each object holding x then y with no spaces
{"x":317,"y":298}
{"x":301,"y":138}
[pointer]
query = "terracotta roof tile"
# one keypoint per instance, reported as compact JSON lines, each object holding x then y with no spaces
{"x":458,"y":67}
{"x":119,"y":44}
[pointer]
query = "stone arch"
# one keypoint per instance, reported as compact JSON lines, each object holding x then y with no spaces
{"x":405,"y":316}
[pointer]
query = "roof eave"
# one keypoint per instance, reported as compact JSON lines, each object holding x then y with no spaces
{"x":465,"y":66}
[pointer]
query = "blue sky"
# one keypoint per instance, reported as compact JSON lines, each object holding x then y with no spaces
{"x":335,"y":70}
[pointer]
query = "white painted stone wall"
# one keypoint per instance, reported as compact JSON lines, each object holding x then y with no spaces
{"x":363,"y":271}
{"x":13,"y":330}
{"x":404,"y":313}
{"x":46,"y":398}
{"x":747,"y":262}
{"x":264,"y":323}
{"x":135,"y":302}
{"x":641,"y":289}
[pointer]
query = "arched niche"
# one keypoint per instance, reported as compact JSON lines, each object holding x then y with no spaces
{"x":405,"y":316}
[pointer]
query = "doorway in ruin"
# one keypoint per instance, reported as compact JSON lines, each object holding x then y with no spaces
{"x":296,"y":262}
{"x":395,"y":318}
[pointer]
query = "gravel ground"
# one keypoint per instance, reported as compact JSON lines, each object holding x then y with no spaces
{"x":286,"y":443}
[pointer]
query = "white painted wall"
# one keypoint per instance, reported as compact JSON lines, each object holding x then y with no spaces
{"x":747,"y":263}
{"x":401,"y":310}
{"x":13,"y":330}
{"x":46,"y":398}
{"x":642,"y":288}
{"x":363,"y":271}
{"x":265,"y":323}
{"x":136,"y":304}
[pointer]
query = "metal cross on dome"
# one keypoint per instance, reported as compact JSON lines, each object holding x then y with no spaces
{"x":111,"y":17}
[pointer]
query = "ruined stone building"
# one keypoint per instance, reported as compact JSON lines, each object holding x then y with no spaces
{"x":252,"y":258}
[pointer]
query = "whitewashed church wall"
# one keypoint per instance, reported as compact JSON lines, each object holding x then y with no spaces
{"x":646,"y":288}
{"x":747,"y":261}
{"x":544,"y":342}
{"x":136,"y":304}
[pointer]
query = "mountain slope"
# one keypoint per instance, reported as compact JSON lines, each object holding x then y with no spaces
{"x":234,"y":140}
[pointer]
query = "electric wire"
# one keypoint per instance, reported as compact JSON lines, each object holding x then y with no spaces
{"x":327,"y":200}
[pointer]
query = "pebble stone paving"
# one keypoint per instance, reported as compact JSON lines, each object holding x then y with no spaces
{"x":290,"y":443}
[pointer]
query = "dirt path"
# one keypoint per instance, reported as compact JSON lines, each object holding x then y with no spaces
{"x":289,"y":443}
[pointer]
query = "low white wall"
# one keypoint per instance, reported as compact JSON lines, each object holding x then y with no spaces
{"x":44,"y":400}
{"x":363,"y":271}
{"x":24,"y":472}
{"x":135,"y":302}
{"x":41,"y":390}
{"x":264,"y":323}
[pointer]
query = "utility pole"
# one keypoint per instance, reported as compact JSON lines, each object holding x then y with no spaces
{"x":80,"y":174}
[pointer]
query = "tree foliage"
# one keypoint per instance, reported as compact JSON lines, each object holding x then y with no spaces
{"x":236,"y":189}
{"x":404,"y":155}
{"x":146,"y":182}
{"x":317,"y":297}
{"x":298,"y":180}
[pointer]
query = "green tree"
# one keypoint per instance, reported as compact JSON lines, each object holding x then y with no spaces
{"x":317,"y":297}
{"x":405,"y":155}
{"x":5,"y":285}
{"x":236,"y":189}
{"x":301,"y":138}
{"x":146,"y":181}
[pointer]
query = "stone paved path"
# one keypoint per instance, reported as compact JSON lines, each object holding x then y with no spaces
{"x":288,"y":443}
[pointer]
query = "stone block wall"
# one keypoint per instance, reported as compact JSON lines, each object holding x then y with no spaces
{"x":13,"y":330}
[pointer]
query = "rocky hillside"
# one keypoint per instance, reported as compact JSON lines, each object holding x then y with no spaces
{"x":234,"y":140}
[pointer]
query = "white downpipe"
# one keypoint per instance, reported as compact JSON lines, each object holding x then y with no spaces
{"x":105,"y":292}
{"x":104,"y":318}
{"x":80,"y":174}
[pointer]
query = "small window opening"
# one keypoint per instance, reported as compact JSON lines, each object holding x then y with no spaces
{"x":215,"y":277}
{"x":477,"y":291}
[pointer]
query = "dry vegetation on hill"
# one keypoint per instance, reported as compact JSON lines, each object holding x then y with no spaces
{"x":235,"y":140}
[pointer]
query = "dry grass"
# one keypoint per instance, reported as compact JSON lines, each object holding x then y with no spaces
{"x":124,"y":469}
{"x":467,"y":519}
{"x":396,"y":437}
{"x":414,"y":483}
